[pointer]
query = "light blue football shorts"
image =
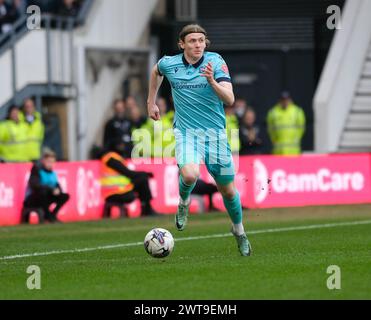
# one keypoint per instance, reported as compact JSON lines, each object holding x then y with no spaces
{"x":215,"y":153}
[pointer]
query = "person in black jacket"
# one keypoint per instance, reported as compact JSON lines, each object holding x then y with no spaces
{"x":43,"y":188}
{"x":118,"y":129}
{"x":134,"y":113}
{"x":250,"y":134}
{"x":67,"y":8}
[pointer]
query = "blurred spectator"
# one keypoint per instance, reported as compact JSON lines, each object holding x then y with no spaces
{"x":11,"y":10}
{"x":286,"y":126}
{"x":122,"y":185}
{"x":117,"y":131}
{"x":251,"y":143}
{"x":4,"y":16}
{"x":162,"y":105}
{"x":46,"y":6}
{"x":59,"y":7}
{"x":13,"y":137}
{"x":167,"y":134}
{"x":134,"y":114}
{"x":43,"y":188}
{"x":9,"y":13}
{"x":35,"y":130}
{"x":240,"y":106}
{"x":232,"y":129}
{"x":21,"y":6}
{"x":68,"y":8}
{"x":162,"y":141}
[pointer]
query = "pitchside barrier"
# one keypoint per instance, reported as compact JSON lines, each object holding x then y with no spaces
{"x":263,"y":182}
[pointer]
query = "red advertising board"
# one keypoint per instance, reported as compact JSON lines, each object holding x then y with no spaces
{"x":13,"y":180}
{"x":262,"y":181}
{"x":79,"y":179}
{"x":82,"y":181}
{"x":309,"y":180}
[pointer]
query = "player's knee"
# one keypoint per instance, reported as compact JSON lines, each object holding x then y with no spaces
{"x":228,"y":193}
{"x":190,"y":178}
{"x":190,"y":174}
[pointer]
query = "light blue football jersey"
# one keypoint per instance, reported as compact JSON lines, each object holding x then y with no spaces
{"x":197,"y":106}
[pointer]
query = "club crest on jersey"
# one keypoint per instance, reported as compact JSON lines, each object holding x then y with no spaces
{"x":225,"y":68}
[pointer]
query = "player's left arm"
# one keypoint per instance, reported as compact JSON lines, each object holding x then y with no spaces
{"x":223,"y":89}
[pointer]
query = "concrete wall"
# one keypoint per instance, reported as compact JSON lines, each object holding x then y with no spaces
{"x":119,"y":26}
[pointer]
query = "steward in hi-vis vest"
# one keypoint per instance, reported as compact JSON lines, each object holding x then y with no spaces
{"x":286,"y":126}
{"x":122,"y":185}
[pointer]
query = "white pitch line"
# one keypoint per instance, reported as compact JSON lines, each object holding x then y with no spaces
{"x":213,"y":236}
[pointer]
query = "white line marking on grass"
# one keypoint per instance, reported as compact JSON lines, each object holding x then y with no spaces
{"x":212,"y":236}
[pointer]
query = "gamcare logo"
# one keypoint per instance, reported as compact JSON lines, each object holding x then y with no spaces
{"x":320,"y":180}
{"x":261,"y":181}
{"x":6,"y":196}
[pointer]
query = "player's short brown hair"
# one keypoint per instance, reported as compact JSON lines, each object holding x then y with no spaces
{"x":192,"y":28}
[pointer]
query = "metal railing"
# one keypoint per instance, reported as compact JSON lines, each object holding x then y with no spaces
{"x":19,"y":27}
{"x":49,"y":23}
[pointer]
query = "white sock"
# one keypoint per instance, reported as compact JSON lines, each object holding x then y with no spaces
{"x":239,"y":229}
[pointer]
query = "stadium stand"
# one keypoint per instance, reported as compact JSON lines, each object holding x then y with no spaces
{"x":72,"y":65}
{"x":342,"y":102}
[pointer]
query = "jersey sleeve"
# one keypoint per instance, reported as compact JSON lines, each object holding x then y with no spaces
{"x":221,"y":72}
{"x":163,"y":65}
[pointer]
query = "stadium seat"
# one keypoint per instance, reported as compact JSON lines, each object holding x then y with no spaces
{"x":108,"y":207}
{"x":26,"y":212}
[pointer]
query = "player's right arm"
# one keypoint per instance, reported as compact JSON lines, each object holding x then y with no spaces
{"x":154,"y":84}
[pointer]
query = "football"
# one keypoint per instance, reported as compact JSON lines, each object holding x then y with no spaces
{"x":159,"y":243}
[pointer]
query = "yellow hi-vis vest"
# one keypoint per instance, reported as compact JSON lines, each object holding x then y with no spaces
{"x":232,"y":132}
{"x":286,"y":128}
{"x":162,"y":139}
{"x":112,"y":182}
{"x":35,"y":136}
{"x":13,"y":140}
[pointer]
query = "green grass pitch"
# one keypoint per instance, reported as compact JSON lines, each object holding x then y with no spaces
{"x":292,"y":249}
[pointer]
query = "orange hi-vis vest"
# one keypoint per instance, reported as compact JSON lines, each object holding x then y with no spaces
{"x":112,"y":182}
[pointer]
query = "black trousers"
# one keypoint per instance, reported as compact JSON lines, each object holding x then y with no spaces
{"x":141,"y":187}
{"x":44,"y":201}
{"x":141,"y":190}
{"x":203,"y":188}
{"x":122,"y":197}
